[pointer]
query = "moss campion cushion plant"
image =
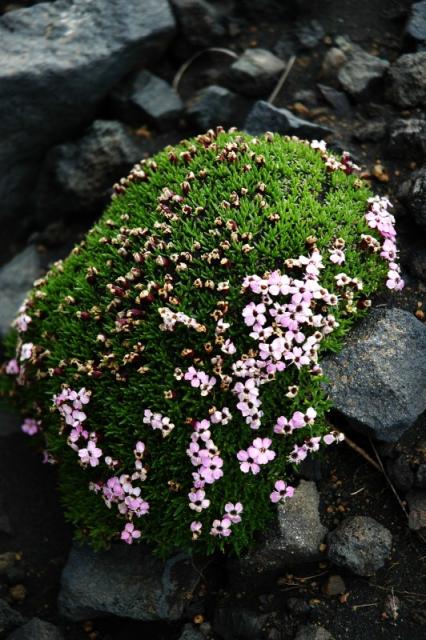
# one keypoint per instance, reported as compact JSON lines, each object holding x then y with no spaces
{"x":171,"y":364}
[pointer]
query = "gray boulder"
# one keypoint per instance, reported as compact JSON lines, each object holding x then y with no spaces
{"x":312,"y":632}
{"x":59,"y":60}
{"x":255,"y":72}
{"x":215,"y":105}
{"x":9,"y":618}
{"x":359,"y":75}
{"x":128,"y":582}
{"x":294,"y":540}
{"x":377,"y":381}
{"x":408,"y":138}
{"x":199,"y":22}
{"x":265,"y":117}
{"x":408,"y":80}
{"x":146,"y":98}
{"x":416,"y":25}
{"x":16,"y":279}
{"x":77,"y":177}
{"x":413,"y":194}
{"x":37,"y":629}
{"x":359,"y":544}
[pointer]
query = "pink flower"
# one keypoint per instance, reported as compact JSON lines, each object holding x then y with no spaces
{"x":337,"y":256}
{"x":26,"y":351}
{"x":298,"y":454}
{"x":22,"y":322}
{"x":221,"y":528}
{"x":196,"y":529}
{"x":211,"y":470}
{"x":30,"y":426}
{"x":91,"y":454}
{"x":282,"y":491}
{"x":12,"y":367}
{"x":247,"y":463}
{"x":232,"y":511}
{"x":129,"y":533}
{"x":198,"y":501}
{"x":254,"y":314}
{"x":260,"y":451}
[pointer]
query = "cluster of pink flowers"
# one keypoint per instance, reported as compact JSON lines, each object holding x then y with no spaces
{"x":256,"y":455}
{"x":331,"y":162}
{"x":378,"y":217}
{"x":171,"y":318}
{"x":221,"y":527}
{"x":70,"y":404}
{"x":200,"y":380}
{"x":158,"y":421}
{"x":298,"y":420}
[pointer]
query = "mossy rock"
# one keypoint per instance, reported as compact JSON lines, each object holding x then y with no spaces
{"x":148,"y":296}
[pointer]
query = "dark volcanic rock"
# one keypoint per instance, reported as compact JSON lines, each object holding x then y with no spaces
{"x":37,"y":629}
{"x":359,"y":544}
{"x":312,"y":632}
{"x":337,"y":99}
{"x":127,"y":582}
{"x":59,"y":60}
{"x":361,"y":73}
{"x":9,"y":618}
{"x":370,"y":131}
{"x":265,"y":117}
{"x":77,"y":177}
{"x":232,"y":622}
{"x":199,"y":22}
{"x":413,"y":194}
{"x":9,"y":422}
{"x":408,"y":138}
{"x":401,"y":473}
{"x":377,"y":380}
{"x":408,"y":80}
{"x":293,"y":541}
{"x":215,"y":105}
{"x":16,"y":279}
{"x":255,"y":72}
{"x":308,"y":34}
{"x":146,"y":98}
{"x":416,"y":25}
{"x":191,"y":633}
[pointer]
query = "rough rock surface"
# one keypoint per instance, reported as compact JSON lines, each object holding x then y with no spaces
{"x":199,"y":22}
{"x":76,"y":51}
{"x":408,"y":80}
{"x":9,"y":618}
{"x":408,"y":138}
{"x":191,"y":633}
{"x":232,"y":622}
{"x":37,"y":629}
{"x":215,"y":105}
{"x":413,"y":194}
{"x":16,"y":280}
{"x":377,"y":380}
{"x":312,"y":632}
{"x":255,"y":72}
{"x":265,"y":117}
{"x":361,"y":72}
{"x":148,"y":99}
{"x":359,"y":544}
{"x":416,"y":25}
{"x":126,"y":581}
{"x":293,"y":541}
{"x":77,"y":177}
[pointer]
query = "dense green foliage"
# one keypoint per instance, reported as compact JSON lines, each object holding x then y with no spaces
{"x":95,"y":324}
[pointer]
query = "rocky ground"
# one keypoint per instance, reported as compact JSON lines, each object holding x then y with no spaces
{"x":358,"y":79}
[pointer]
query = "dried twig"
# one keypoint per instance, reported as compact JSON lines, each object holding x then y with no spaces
{"x":362,"y":453}
{"x":388,"y":480}
{"x":282,"y":79}
{"x":361,"y":606}
{"x":180,"y":72}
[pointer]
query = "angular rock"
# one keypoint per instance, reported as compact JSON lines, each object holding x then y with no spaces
{"x":359,"y":544}
{"x":413,"y":194}
{"x":309,"y":34}
{"x":9,"y":618}
{"x":371,"y":131}
{"x":416,"y":25}
{"x":146,"y":98}
{"x":190,"y":632}
{"x":37,"y":629}
{"x":255,"y":72}
{"x":401,"y":473}
{"x":417,"y":511}
{"x":265,"y":117}
{"x":293,"y":541}
{"x":334,"y":59}
{"x":408,"y":138}
{"x":199,"y":22}
{"x":16,"y":279}
{"x":77,"y":177}
{"x":337,"y":99}
{"x":407,"y":78}
{"x":127,"y":582}
{"x":59,"y":60}
{"x":233,"y":622}
{"x":377,"y":381}
{"x":312,"y":632}
{"x":361,"y":73}
{"x":215,"y":105}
